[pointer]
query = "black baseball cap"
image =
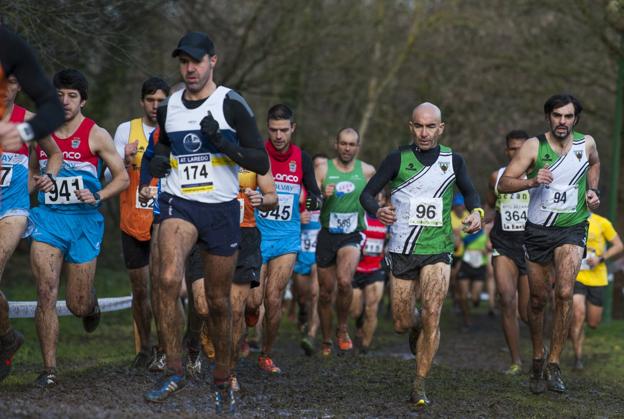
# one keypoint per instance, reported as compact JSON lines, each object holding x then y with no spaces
{"x":196,"y":45}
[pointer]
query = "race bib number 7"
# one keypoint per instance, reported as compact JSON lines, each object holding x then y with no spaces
{"x":425,"y":212}
{"x":64,"y":191}
{"x":560,"y":198}
{"x":6,"y":174}
{"x":195,"y":172}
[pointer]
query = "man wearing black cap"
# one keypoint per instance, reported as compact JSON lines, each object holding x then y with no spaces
{"x":206,"y":133}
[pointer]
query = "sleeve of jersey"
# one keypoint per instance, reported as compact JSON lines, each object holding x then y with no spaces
{"x":387,"y":171}
{"x":309,"y":180}
{"x":146,"y":176}
{"x":250,"y":152}
{"x":608,"y":230}
{"x":464,"y":184}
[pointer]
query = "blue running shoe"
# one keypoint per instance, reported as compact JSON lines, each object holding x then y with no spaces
{"x":165,"y":387}
{"x":224,"y":398}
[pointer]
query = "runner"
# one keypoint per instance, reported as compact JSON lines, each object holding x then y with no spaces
{"x":206,"y":133}
{"x":563,"y":170}
{"x":306,"y":275}
{"x":131,"y":139}
{"x":421,"y":177}
{"x":15,"y":205}
{"x":591,"y":282}
{"x":509,"y":212}
{"x":368,"y":282}
{"x":339,"y":242}
{"x":68,"y":226}
{"x":280,"y":227}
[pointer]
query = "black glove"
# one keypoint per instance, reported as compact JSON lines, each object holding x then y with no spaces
{"x":159,"y":166}
{"x":312,"y":203}
{"x":210,"y":130}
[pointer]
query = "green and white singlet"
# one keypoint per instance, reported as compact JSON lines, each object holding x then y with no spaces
{"x":422,"y":196}
{"x":562,"y":203}
{"x":342,"y":212}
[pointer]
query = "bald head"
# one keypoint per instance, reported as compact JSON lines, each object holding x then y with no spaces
{"x":348,"y":132}
{"x":428,"y":110}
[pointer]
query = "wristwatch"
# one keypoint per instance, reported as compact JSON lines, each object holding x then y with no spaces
{"x":25,"y":131}
{"x":480,"y":211}
{"x":596,"y":191}
{"x":97,"y":198}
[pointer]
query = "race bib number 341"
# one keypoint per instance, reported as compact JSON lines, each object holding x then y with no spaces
{"x":425,"y":212}
{"x":64,"y":191}
{"x":195,"y":172}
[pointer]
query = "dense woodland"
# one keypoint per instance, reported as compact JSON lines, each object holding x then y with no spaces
{"x":489,"y":64}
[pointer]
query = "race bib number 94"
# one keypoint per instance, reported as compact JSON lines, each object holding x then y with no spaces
{"x":195,"y":172}
{"x":560,"y":198}
{"x":64,"y":191}
{"x":513,"y":215}
{"x":425,"y":212}
{"x":343,"y":222}
{"x":6,"y":174}
{"x":308,"y":240}
{"x":283,"y":212}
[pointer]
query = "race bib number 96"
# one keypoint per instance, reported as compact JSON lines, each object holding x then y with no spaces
{"x":343,"y":222}
{"x":560,"y":198}
{"x":283,"y":211}
{"x":425,"y":212}
{"x":64,"y":191}
{"x":6,"y":174}
{"x":195,"y":172}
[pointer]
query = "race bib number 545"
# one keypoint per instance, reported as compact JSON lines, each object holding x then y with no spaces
{"x":64,"y":191}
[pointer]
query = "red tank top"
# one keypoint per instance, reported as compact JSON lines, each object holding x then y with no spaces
{"x":372,"y":252}
{"x":75,"y":148}
{"x":18,"y":115}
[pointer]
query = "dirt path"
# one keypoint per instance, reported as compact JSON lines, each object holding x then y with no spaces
{"x":465,"y":382}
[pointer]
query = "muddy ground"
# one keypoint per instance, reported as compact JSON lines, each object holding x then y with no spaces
{"x":466,"y":381}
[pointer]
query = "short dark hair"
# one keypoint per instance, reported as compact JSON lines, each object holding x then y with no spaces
{"x":562,"y":99}
{"x":516,"y":134}
{"x":152,"y":85}
{"x":280,"y":112}
{"x":70,"y":78}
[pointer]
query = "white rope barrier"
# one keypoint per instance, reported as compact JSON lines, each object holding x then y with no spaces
{"x":26,"y":309}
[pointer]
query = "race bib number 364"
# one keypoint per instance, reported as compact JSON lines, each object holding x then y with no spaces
{"x":425,"y":212}
{"x":64,"y":191}
{"x":195,"y":172}
{"x":513,"y":215}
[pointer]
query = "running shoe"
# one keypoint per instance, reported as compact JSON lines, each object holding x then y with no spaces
{"x":578,"y":365}
{"x":344,"y":343}
{"x":165,"y":387}
{"x":234,"y":382}
{"x":537,"y":384}
{"x":251,"y":317}
{"x":266,"y":364}
{"x":91,"y":321}
{"x":7,"y":352}
{"x":307,"y":344}
{"x":142,"y":360}
{"x":47,"y":379}
{"x":415,"y":331}
{"x":514,"y":369}
{"x":224,"y":398}
{"x":193,"y":364}
{"x":554,"y":382}
{"x":418,"y":395}
{"x":207,"y":345}
{"x":244,"y":348}
{"x":158,"y":362}
{"x":326,"y":349}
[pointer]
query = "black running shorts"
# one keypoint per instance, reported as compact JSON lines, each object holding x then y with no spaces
{"x":409,"y":266}
{"x":135,"y":252}
{"x":594,"y":295}
{"x":540,"y":242}
{"x":328,"y":244}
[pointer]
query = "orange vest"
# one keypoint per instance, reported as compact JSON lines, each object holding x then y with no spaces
{"x":136,"y":220}
{"x":246,"y":179}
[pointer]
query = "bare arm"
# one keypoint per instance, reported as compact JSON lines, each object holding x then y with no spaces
{"x":490,"y":198}
{"x":368,"y":170}
{"x":511,"y":180}
{"x":320,"y":171}
{"x":593,"y":173}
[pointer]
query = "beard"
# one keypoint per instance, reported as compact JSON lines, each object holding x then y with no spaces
{"x":558,"y":135}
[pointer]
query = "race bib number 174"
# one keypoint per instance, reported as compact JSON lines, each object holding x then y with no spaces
{"x":195,"y":172}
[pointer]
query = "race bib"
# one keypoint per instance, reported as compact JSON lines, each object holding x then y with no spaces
{"x":149,"y":205}
{"x":343,"y":222}
{"x":373,"y":247}
{"x":241,"y":217}
{"x":308,"y":240}
{"x":513,"y":215}
{"x":584,"y":265}
{"x":64,"y":191}
{"x":283,"y":211}
{"x":6,"y":174}
{"x":425,"y":212}
{"x":473,"y":258}
{"x":560,"y":198}
{"x":195,"y":172}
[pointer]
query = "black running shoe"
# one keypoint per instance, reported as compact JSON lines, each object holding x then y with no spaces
{"x":141,"y":360}
{"x":554,"y":382}
{"x":415,"y":332}
{"x":47,"y":379}
{"x":537,"y":384}
{"x":7,"y":352}
{"x":158,"y":361}
{"x":91,"y":321}
{"x":224,"y":399}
